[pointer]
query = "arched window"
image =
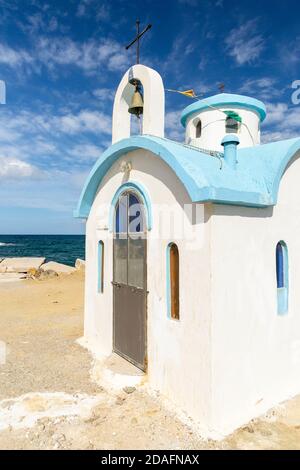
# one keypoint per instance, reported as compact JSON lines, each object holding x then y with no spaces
{"x":100,"y":267}
{"x":198,"y":128}
{"x":282,"y":279}
{"x":173,"y":281}
{"x":233,"y":122}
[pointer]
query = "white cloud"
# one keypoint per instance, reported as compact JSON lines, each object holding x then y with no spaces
{"x":85,"y":121}
{"x":244,"y":44}
{"x":258,"y":83}
{"x":88,"y":8}
{"x":38,"y":22}
{"x":103,"y":13}
{"x":274,"y":136}
{"x":281,"y":122}
{"x":180,"y":50}
{"x":276,"y":113}
{"x":13,"y":126}
{"x":33,"y":146}
{"x":15,"y":169}
{"x":88,"y":56}
{"x":14,"y":58}
{"x":264,"y":88}
{"x":104,"y":94}
{"x":290,"y":53}
{"x":174,"y":129}
{"x":86,"y":152}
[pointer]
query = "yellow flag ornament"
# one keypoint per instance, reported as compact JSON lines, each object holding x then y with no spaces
{"x":189,"y":93}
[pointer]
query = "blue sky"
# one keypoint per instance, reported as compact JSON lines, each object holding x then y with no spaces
{"x":62,"y":61}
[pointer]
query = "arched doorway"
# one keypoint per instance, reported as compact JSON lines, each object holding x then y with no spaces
{"x":130,"y":279}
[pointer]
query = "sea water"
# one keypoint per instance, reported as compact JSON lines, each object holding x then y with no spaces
{"x":61,"y":248}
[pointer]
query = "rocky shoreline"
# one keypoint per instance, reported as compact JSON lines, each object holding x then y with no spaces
{"x":21,"y":268}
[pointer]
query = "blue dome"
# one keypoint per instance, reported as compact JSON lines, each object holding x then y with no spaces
{"x":224,"y":99}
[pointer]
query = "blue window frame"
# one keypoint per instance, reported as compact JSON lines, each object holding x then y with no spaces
{"x":100,"y":266}
{"x":282,"y":278}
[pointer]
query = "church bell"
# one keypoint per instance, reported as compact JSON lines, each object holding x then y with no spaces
{"x":137,"y":104}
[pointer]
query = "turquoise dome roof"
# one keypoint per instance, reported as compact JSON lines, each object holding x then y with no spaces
{"x":224,"y":99}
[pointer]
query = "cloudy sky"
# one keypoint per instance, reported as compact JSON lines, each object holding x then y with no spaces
{"x":62,"y":61}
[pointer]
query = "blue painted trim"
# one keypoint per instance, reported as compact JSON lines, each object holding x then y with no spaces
{"x":283,"y":292}
{"x":230,"y":139}
{"x":100,"y":266}
{"x":286,"y":157}
{"x":141,"y":192}
{"x":168,"y":280}
{"x":230,"y":143}
{"x":282,"y":301}
{"x":254,"y":182}
{"x":104,"y":163}
{"x":224,"y":99}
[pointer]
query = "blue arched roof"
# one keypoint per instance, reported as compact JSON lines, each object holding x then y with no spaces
{"x":206,"y":178}
{"x":224,"y":99}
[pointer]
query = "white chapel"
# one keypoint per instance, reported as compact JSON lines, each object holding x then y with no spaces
{"x":193,"y":254}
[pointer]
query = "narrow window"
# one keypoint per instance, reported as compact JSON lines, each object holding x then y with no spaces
{"x":173,"y":281}
{"x":282,"y":277}
{"x":100,"y":265}
{"x":198,"y":129}
{"x":232,"y":122}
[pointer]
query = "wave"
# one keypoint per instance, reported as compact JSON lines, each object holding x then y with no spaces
{"x":7,"y":244}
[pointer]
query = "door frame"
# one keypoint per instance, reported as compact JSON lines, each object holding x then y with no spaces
{"x":137,"y":190}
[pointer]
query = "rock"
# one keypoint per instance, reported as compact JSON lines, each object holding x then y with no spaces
{"x":59,"y":437}
{"x":120,"y":400}
{"x":32,"y":272}
{"x":129,"y":389}
{"x":20,"y":265}
{"x":4,"y":277}
{"x":41,"y":275}
{"x":80,"y":263}
{"x":248,"y":429}
{"x":57,"y":267}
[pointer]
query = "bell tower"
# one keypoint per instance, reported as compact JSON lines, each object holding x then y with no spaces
{"x":130,"y":102}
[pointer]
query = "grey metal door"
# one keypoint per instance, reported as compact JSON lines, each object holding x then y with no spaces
{"x":129,"y":281}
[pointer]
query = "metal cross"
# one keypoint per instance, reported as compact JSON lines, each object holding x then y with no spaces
{"x":137,"y":39}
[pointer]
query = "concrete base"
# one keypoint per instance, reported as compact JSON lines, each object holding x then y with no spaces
{"x":115,"y":373}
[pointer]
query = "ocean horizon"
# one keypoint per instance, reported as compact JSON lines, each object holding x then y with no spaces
{"x":61,"y":248}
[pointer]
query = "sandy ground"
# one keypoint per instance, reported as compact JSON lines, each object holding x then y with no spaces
{"x":49,"y":401}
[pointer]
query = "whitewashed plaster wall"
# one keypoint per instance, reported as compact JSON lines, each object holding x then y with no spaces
{"x":255,"y":352}
{"x":178,"y":351}
{"x":213,"y":128}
